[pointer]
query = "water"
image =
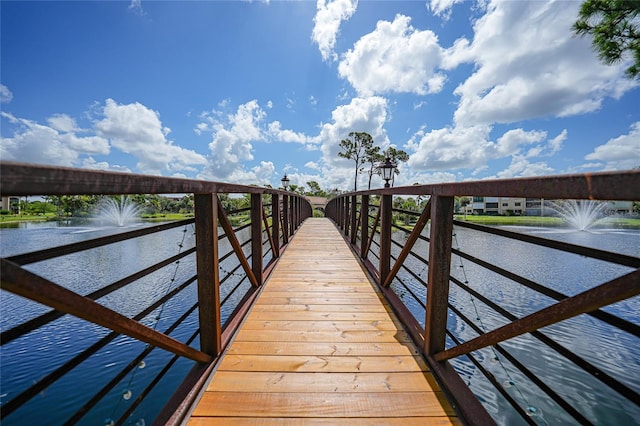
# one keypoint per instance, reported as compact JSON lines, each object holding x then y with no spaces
{"x":578,"y":214}
{"x":26,"y":360}
{"x":117,"y":212}
{"x":611,"y":350}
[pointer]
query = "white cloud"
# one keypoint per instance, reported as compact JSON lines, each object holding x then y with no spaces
{"x":530,"y":65}
{"x":284,"y":135}
{"x":260,"y":174}
{"x":5,"y":94}
{"x":471,"y":147}
{"x":58,"y":145}
{"x":327,"y":22}
{"x":394,"y":58}
{"x":442,"y":8}
{"x":449,"y":148}
{"x":63,"y":123}
{"x":136,"y":7}
{"x":90,"y":163}
{"x":137,"y":130}
{"x":232,"y":138}
{"x":521,"y":167}
{"x":360,"y":115}
{"x":312,"y":165}
{"x":621,"y":153}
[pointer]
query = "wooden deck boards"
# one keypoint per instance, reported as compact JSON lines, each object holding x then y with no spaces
{"x":321,"y":346}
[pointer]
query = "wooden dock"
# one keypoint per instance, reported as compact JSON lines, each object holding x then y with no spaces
{"x":321,"y":346}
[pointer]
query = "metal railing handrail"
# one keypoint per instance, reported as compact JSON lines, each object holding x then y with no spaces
{"x":366,"y":232}
{"x":253,"y":263}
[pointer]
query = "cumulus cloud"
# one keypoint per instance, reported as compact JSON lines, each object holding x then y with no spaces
{"x":233,"y":136}
{"x":279,"y":134}
{"x":329,"y":17}
{"x":5,"y":94}
{"x":137,"y":130}
{"x":136,"y":7}
{"x":395,"y":57}
{"x":57,"y":144}
{"x":529,"y":65}
{"x":471,"y":148}
{"x":260,"y":174}
{"x":442,"y":8}
{"x":621,"y":153}
{"x":360,"y":115}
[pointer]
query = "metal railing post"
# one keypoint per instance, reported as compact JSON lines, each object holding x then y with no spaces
{"x":207,"y":255}
{"x":364,"y":226}
{"x":386,"y":205}
{"x":439,"y":271}
{"x":354,"y":218}
{"x":275,"y":224}
{"x":256,"y":236}
{"x":285,"y":219}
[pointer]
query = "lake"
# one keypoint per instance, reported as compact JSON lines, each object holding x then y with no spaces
{"x":26,"y":360}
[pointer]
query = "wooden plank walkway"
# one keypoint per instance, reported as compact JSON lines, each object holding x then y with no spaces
{"x":321,"y":346}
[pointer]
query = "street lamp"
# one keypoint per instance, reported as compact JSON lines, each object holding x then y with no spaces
{"x":285,"y":182}
{"x":387,"y":169}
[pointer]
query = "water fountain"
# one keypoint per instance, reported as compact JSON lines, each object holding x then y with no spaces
{"x":579,"y":214}
{"x":117,"y":212}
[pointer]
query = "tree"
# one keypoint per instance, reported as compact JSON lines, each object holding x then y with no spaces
{"x":315,"y":190}
{"x":373,"y":158}
{"x":396,"y":156}
{"x":355,"y":148}
{"x":613,"y":24}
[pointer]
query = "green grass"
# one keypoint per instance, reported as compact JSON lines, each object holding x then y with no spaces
{"x":162,"y":217}
{"x":11,"y":218}
{"x":612,"y":222}
{"x":511,"y":220}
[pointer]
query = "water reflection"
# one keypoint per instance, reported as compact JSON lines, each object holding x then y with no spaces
{"x":59,"y":341}
{"x":615,"y":352}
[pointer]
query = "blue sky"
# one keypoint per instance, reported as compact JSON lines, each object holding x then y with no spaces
{"x":247,"y":91}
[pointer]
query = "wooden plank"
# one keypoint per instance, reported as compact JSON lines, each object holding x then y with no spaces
{"x":321,"y":308}
{"x":266,"y":299}
{"x":322,"y":404}
{"x":316,"y":326}
{"x":323,"y":349}
{"x":302,"y":293}
{"x":293,"y":421}
{"x":319,"y":288}
{"x":316,"y":315}
{"x":227,"y":381}
{"x":323,"y":364}
{"x":322,"y":346}
{"x":322,"y":336}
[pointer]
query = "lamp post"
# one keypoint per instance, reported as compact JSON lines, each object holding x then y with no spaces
{"x":387,"y":168}
{"x":285,"y":182}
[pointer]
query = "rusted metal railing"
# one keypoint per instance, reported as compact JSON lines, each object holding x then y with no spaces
{"x":429,"y":307}
{"x":226,"y":283}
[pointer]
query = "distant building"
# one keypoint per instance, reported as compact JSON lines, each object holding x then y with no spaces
{"x":530,"y":207}
{"x":496,"y":206}
{"x":620,"y":207}
{"x":11,"y":203}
